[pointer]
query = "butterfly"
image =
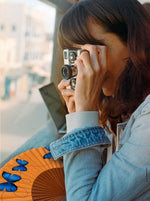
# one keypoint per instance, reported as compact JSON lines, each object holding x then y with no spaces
{"x":21,"y":165}
{"x":48,"y":155}
{"x":9,"y":186}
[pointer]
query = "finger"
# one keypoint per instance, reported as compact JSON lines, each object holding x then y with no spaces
{"x":90,"y":57}
{"x":94,"y":56}
{"x":84,"y":65}
{"x":93,"y":52}
{"x":67,"y":92}
{"x":66,"y":98}
{"x":83,"y":71}
{"x":103,"y":56}
{"x":71,"y":104}
{"x":85,"y":58}
{"x":63,"y":84}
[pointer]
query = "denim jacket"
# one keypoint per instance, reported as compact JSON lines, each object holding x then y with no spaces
{"x":125,"y":177}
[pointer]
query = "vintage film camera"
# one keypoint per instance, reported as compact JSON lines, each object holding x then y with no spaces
{"x":69,"y":71}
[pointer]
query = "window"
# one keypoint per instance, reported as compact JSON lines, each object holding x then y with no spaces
{"x":2,"y":27}
{"x":22,"y":110}
{"x":26,"y":33}
{"x":13,"y":28}
{"x":26,"y":56}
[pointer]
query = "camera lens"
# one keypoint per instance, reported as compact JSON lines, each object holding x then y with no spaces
{"x":66,"y":72}
{"x":72,"y":57}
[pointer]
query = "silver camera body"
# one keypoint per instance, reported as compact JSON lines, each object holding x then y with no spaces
{"x":69,"y":71}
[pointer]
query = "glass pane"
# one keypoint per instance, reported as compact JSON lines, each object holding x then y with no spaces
{"x":26,"y":31}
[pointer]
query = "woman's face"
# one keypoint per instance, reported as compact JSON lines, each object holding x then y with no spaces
{"x":117,"y":54}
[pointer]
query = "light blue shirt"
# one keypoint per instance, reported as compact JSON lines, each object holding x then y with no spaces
{"x":125,"y":177}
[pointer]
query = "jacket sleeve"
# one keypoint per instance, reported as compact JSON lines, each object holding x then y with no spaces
{"x":125,"y":177}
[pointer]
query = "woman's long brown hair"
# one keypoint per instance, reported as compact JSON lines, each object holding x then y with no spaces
{"x":130,"y":21}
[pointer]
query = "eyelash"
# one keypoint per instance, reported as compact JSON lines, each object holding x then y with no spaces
{"x":102,"y":44}
{"x":98,"y":43}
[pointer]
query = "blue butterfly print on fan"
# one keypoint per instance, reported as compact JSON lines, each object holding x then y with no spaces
{"x":48,"y":155}
{"x":9,"y":186}
{"x":21,"y":165}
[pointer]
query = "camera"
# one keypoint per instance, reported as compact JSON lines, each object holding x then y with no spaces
{"x":69,"y":71}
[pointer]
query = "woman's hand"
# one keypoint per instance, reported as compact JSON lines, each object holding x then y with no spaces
{"x":68,"y":95}
{"x":91,"y":66}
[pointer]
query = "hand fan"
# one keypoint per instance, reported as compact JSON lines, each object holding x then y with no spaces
{"x":32,"y":176}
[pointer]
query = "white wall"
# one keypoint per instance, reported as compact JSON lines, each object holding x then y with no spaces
{"x":29,"y":36}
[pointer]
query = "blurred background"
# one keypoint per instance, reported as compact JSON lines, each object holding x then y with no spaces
{"x":26,"y":45}
{"x":26,"y":52}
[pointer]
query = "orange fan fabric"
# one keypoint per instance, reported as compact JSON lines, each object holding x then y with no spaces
{"x":32,"y":176}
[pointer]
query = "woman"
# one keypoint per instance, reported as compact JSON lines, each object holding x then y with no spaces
{"x":112,"y":91}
